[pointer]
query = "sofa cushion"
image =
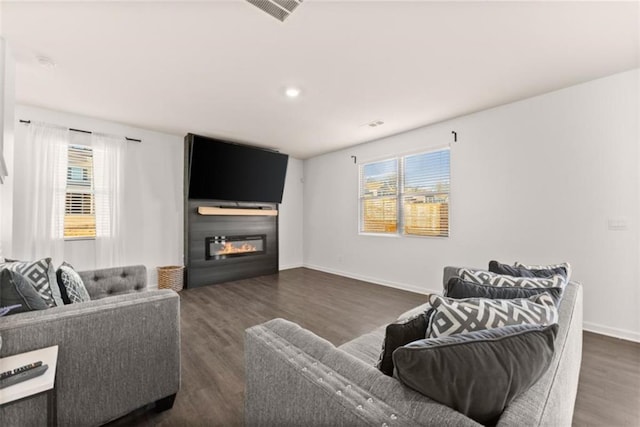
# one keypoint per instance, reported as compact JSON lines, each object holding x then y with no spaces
{"x":366,"y":347}
{"x":477,"y":373}
{"x":521,"y":271}
{"x":72,"y":288}
{"x":15,"y":289}
{"x":398,"y":334}
{"x":460,"y":289}
{"x":42,"y":274}
{"x":108,"y":282}
{"x":472,"y":314}
{"x":414,"y":311}
{"x":488,"y":278}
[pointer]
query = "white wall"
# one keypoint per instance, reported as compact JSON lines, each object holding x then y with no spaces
{"x":153,"y":208}
{"x":534,"y":181}
{"x":154,"y":204}
{"x":290,"y":229}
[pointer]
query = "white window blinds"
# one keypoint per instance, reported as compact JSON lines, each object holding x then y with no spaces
{"x":425,"y":194}
{"x":379,"y":197}
{"x":80,"y":217}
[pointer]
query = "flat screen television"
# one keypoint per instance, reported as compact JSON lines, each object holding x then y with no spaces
{"x":221,"y":170}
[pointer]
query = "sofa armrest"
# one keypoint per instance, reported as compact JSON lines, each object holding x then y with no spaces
{"x":107,"y":282}
{"x":294,"y":377}
{"x":448,"y":273}
{"x":115,"y":354}
{"x":551,"y":400}
{"x":452,"y":271}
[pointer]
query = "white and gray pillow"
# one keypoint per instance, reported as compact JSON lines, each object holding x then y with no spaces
{"x":482,"y":277}
{"x":42,"y":274}
{"x":452,"y":316}
{"x":72,"y":287}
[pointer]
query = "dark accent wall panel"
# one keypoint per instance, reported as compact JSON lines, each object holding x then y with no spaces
{"x":201,"y":271}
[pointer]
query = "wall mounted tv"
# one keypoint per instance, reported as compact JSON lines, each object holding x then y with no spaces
{"x":221,"y":170}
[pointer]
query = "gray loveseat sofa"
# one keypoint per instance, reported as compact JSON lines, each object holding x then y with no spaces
{"x":294,"y":377}
{"x":118,"y":352}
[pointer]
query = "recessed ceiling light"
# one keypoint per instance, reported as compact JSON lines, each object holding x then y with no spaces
{"x":292,"y":92}
{"x":45,"y":61}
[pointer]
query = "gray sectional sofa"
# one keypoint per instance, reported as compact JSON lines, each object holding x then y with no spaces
{"x":118,"y":352}
{"x":294,"y":377}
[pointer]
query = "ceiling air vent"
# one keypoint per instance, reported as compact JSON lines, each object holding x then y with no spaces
{"x":279,"y":9}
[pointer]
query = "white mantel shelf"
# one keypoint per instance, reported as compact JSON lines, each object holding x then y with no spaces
{"x":209,"y":210}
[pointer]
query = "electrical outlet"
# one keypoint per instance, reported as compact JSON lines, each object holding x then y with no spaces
{"x":618,"y":224}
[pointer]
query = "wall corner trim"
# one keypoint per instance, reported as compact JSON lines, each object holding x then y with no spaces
{"x":290,"y":267}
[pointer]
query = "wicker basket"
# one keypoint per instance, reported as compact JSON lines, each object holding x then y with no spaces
{"x":171,"y":277}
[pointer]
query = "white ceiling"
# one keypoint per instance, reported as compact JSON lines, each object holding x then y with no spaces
{"x":219,"y":68}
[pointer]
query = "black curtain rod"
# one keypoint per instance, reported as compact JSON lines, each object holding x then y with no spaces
{"x":27,"y":122}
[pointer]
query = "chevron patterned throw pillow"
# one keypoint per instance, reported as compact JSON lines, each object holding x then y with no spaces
{"x":482,"y":277}
{"x":473,"y":314}
{"x":71,"y":285}
{"x":40,"y":273}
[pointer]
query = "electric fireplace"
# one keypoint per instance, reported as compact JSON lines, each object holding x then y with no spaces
{"x":221,"y":247}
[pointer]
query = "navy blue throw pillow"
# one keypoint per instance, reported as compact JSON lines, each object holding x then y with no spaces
{"x":399,"y":334}
{"x":460,"y":289}
{"x":520,"y":271}
{"x":477,"y":373}
{"x":16,"y":289}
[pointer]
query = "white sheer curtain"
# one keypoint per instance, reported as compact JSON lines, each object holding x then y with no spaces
{"x":41,"y":184}
{"x":108,"y":168}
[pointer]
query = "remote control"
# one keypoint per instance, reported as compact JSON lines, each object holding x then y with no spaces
{"x":16,"y":371}
{"x":23,"y":375}
{"x":6,"y":310}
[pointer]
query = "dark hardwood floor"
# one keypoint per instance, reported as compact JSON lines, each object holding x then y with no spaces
{"x":339,"y":309}
{"x":609,"y":388}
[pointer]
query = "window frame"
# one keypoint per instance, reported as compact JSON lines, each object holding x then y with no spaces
{"x":400,"y":194}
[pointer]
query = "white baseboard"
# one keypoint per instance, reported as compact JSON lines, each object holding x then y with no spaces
{"x":612,"y":332}
{"x":587,"y":326}
{"x":289,"y":266}
{"x":374,"y":280}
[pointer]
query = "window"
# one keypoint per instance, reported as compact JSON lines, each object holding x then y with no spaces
{"x":420,"y":208}
{"x":379,"y":197}
{"x":425,"y":194}
{"x":79,"y":209}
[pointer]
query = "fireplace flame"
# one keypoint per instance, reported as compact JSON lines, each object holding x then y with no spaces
{"x":230,"y":248}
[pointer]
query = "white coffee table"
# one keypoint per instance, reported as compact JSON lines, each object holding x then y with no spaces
{"x":34,"y":386}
